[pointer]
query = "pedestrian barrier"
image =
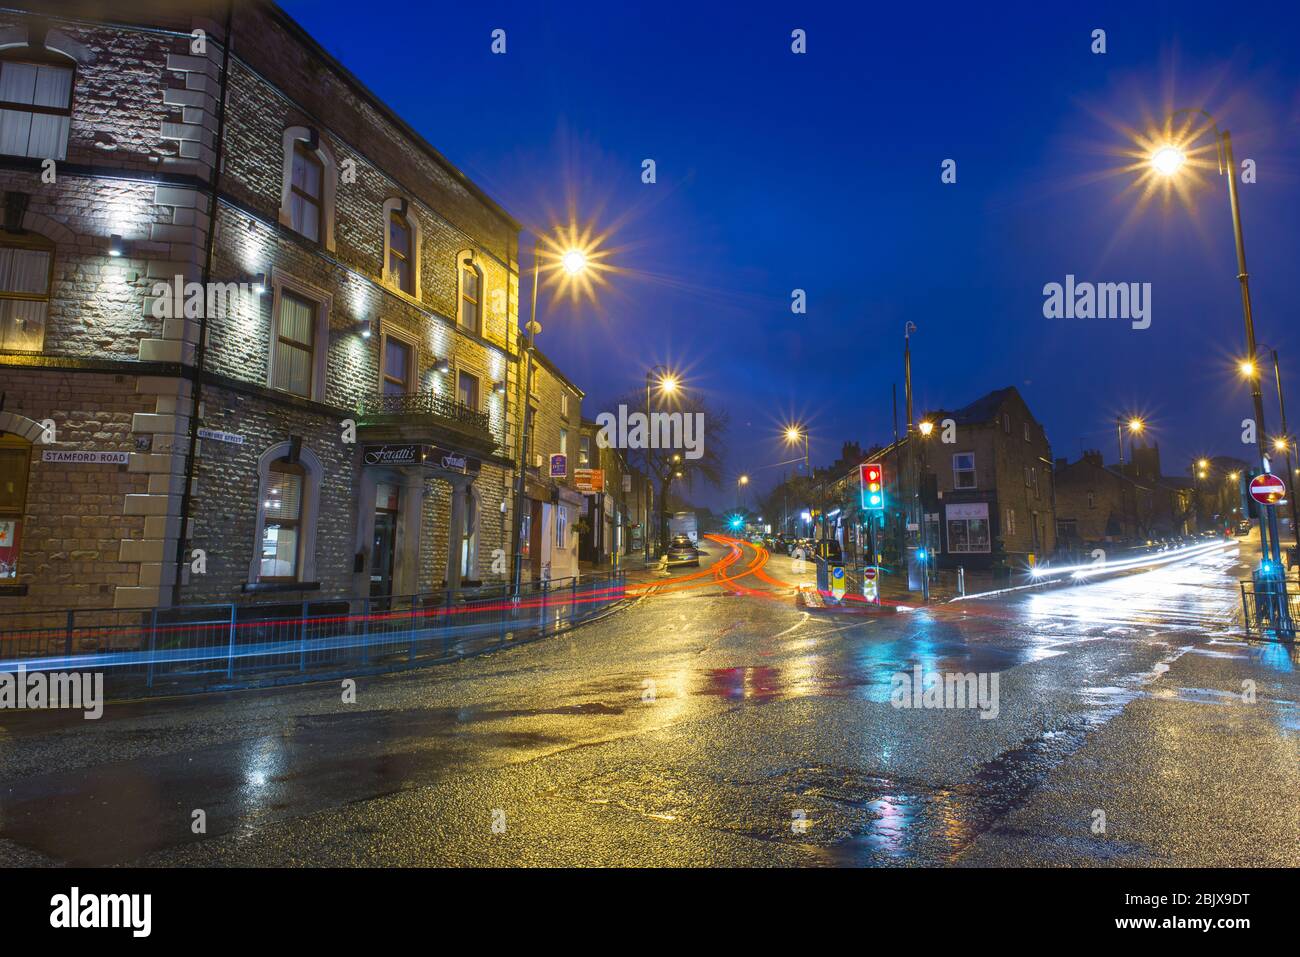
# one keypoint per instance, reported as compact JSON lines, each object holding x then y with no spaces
{"x":1263,"y":610}
{"x":198,"y":647}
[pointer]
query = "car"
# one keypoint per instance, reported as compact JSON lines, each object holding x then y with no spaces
{"x":1243,"y":527}
{"x":682,"y":551}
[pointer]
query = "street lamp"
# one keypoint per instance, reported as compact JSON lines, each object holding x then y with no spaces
{"x":666,"y":382}
{"x":1167,"y":161}
{"x":740,"y":495}
{"x":926,"y":428}
{"x":573,"y":263}
{"x":793,"y":435}
{"x":1135,"y":426}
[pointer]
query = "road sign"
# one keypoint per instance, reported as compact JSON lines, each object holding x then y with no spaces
{"x":838,"y":582}
{"x":1267,"y":489}
{"x":869,"y":574}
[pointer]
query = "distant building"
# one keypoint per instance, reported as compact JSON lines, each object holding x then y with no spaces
{"x":984,"y":475}
{"x":1097,"y":504}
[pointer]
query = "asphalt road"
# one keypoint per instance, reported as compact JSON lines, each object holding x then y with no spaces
{"x":716,"y":723}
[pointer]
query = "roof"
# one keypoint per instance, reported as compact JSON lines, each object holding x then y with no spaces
{"x":983,"y":409}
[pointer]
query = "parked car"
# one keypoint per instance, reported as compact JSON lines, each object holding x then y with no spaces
{"x":682,"y":551}
{"x":1244,"y":527}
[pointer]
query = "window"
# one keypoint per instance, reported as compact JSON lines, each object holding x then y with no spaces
{"x":470,"y":313}
{"x":561,"y":527}
{"x":294,"y":361}
{"x":1026,"y":431}
{"x":564,"y":441}
{"x":398,"y":356}
{"x":35,"y":108}
{"x":963,"y":470}
{"x":306,"y":197}
{"x":308,"y":184}
{"x":1026,"y":476}
{"x":584,"y":451}
{"x":1006,"y":423}
{"x":1010,"y":521}
{"x":400,"y":271}
{"x":282,"y":523}
{"x":467,"y":390}
{"x":968,"y":527}
{"x":1092,"y":499}
{"x":469,"y":538}
{"x":26,"y":264}
{"x":15,"y":459}
{"x":564,"y":404}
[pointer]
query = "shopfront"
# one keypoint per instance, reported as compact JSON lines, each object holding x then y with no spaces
{"x":416,"y":501}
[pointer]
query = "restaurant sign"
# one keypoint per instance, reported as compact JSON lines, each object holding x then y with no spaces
{"x":430,"y":456}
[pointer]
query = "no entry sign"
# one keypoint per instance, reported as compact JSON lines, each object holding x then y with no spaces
{"x":1267,"y":489}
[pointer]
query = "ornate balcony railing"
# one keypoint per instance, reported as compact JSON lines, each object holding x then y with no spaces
{"x":380,"y":407}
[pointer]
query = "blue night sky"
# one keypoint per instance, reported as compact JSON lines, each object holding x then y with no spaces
{"x":822,"y":172}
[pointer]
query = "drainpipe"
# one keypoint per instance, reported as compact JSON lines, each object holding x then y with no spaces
{"x":200,"y":351}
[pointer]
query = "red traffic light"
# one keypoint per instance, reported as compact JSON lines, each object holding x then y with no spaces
{"x":871,"y":479}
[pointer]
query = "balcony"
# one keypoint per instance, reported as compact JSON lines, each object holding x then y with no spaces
{"x":423,"y":417}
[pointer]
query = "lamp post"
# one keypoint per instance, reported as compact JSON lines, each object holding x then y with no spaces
{"x":1167,"y":161}
{"x":741,"y":482}
{"x":793,"y":435}
{"x":573,"y":262}
{"x":1135,"y":426}
{"x":1287,"y":442}
{"x":668,"y":384}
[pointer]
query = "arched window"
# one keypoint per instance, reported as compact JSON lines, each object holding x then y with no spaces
{"x":307,"y":190}
{"x":35,"y":103}
{"x":469,"y":309}
{"x":282,"y":523}
{"x":26,"y":267}
{"x":401,"y":247}
{"x":287,"y":509}
{"x":399,"y":253}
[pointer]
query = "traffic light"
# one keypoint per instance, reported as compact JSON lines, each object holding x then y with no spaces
{"x":873,"y":487}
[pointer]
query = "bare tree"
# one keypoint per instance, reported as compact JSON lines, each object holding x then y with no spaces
{"x":671,"y":469}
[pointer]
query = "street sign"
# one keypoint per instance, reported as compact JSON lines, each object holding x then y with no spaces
{"x":1267,"y":489}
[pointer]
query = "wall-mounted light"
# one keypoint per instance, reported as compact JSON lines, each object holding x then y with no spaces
{"x":363,"y":328}
{"x":442,"y":365}
{"x":115,"y":245}
{"x":259,"y":283}
{"x":499,"y":387}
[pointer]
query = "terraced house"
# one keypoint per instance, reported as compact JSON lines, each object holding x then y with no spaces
{"x":256,"y":335}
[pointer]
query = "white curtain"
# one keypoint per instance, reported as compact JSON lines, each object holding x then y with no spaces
{"x":22,"y":322}
{"x":39,"y":135}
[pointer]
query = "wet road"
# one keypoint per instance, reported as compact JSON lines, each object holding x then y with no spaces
{"x":714,"y":722}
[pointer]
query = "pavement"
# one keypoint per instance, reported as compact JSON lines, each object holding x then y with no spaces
{"x":714,"y":722}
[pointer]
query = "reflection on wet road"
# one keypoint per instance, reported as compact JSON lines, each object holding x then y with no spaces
{"x":715,"y":724}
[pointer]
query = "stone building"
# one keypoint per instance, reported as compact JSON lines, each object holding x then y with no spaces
{"x":990,"y":492}
{"x":549,"y":539}
{"x":236,"y":288}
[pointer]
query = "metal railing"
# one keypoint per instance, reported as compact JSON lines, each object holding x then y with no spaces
{"x":1264,"y":613}
{"x":199,"y":647}
{"x":378,"y":405}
